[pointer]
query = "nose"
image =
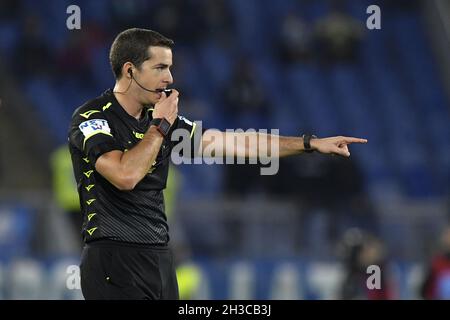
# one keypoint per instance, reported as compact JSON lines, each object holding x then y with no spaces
{"x":168,"y":78}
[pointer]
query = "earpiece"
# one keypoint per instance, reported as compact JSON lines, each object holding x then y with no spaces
{"x":130,"y":71}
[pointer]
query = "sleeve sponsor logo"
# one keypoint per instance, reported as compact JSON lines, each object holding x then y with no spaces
{"x":94,"y":126}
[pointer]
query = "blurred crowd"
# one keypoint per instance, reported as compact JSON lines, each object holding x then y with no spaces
{"x":244,"y":100}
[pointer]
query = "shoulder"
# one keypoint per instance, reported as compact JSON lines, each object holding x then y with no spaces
{"x":92,"y":107}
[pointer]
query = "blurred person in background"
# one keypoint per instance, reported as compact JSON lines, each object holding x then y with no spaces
{"x":218,"y":22}
{"x":246,"y":101}
{"x":360,"y":250}
{"x":125,"y":14}
{"x":325,"y":212}
{"x":171,"y":19}
{"x":295,"y":39}
{"x":188,"y":273}
{"x":437,"y":279}
{"x":338,"y":35}
{"x":245,"y":97}
{"x":65,"y":189}
{"x":77,"y":57}
{"x":120,"y":143}
{"x":33,"y":56}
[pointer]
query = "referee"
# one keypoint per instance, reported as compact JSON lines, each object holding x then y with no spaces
{"x":120,"y":144}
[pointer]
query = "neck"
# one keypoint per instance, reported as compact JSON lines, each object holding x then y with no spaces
{"x":127,"y":100}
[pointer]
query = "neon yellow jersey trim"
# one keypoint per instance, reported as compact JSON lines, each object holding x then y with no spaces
{"x":193,"y":129}
{"x":89,"y":113}
{"x":91,"y":230}
{"x":88,"y":173}
{"x":106,"y":106}
{"x":93,"y":134}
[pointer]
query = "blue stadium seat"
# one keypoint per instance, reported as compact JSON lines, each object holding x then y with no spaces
{"x":217,"y":64}
{"x":16,"y":223}
{"x":50,"y":107}
{"x":9,"y":35}
{"x":386,"y":96}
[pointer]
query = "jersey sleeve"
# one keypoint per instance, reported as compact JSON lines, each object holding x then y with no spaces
{"x":192,"y":129}
{"x":91,"y":133}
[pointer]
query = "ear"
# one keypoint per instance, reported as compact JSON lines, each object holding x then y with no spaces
{"x":127,"y":70}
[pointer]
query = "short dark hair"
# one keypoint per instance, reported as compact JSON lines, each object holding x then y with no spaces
{"x":131,"y":45}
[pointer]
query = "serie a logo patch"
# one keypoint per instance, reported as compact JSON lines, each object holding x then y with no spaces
{"x":93,"y":126}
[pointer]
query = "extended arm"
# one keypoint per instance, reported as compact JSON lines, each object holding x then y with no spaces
{"x":254,"y":144}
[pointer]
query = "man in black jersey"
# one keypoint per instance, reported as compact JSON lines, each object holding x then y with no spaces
{"x":120,"y":143}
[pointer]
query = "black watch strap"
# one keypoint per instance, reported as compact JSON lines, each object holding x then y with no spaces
{"x":307,"y":142}
{"x":162,"y":125}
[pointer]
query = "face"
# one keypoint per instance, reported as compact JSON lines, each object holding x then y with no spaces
{"x":153,"y":74}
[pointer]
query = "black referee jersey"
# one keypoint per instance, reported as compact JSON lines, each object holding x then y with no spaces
{"x":137,"y":216}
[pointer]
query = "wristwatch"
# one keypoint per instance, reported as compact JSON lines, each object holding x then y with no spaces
{"x":307,"y":142}
{"x":162,"y":125}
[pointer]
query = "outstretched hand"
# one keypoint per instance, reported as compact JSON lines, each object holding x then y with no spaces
{"x":335,"y":145}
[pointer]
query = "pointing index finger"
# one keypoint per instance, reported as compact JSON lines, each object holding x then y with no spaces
{"x":354,"y":140}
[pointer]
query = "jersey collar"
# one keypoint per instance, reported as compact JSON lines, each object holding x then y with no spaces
{"x":119,"y":110}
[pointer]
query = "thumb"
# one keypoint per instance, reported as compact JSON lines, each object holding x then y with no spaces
{"x":342,"y":152}
{"x":163,"y":96}
{"x":345,"y":153}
